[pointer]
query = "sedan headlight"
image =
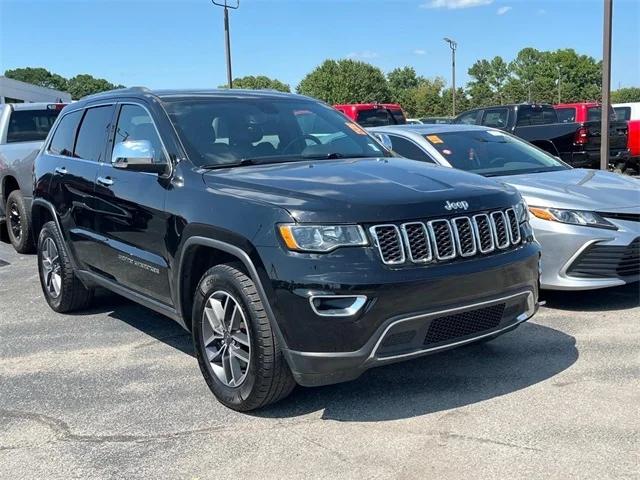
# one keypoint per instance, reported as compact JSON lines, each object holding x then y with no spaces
{"x":572,"y":217}
{"x":321,"y":238}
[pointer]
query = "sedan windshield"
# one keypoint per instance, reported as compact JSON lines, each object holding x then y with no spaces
{"x":219,"y":132}
{"x":492,"y":153}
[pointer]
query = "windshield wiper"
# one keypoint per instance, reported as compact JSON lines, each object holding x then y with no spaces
{"x":333,"y":156}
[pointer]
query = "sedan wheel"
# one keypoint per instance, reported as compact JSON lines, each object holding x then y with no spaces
{"x":50,"y":262}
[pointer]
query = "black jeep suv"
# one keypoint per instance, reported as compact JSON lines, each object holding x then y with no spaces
{"x":292,"y":245}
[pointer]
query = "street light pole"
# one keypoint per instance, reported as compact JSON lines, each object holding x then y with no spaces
{"x":453,"y":45}
{"x":559,"y":83}
{"x":606,"y":85}
{"x":226,"y":4}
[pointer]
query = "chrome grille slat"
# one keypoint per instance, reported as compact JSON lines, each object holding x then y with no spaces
{"x":389,"y":243}
{"x":500,"y":232}
{"x":514,"y":226}
{"x":484,"y":233}
{"x":446,"y":239}
{"x":416,"y":239}
{"x":464,"y":236}
{"x":442,"y":237}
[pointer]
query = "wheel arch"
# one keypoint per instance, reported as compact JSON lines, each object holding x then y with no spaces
{"x":192,"y":267}
{"x":9,"y":184}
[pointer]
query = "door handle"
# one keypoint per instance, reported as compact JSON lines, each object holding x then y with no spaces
{"x":105,"y":181}
{"x":60,"y":170}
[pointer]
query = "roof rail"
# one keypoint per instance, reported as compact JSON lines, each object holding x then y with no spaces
{"x":117,"y":90}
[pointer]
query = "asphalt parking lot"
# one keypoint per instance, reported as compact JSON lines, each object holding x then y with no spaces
{"x":116,"y":393}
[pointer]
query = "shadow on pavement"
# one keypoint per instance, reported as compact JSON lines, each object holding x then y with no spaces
{"x":517,"y":360}
{"x":604,"y":299}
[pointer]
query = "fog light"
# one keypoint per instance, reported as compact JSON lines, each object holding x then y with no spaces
{"x":337,"y":305}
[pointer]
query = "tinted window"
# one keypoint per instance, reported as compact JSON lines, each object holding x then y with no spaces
{"x":93,"y":133}
{"x":468,"y":118}
{"x":224,"y":131}
{"x":398,"y":116}
{"x":65,"y":134}
{"x":134,"y":123}
{"x":492,"y":152}
{"x":30,"y":125}
{"x":375,"y":118}
{"x":566,"y":115}
{"x":496,"y":117}
{"x":623,"y":113}
{"x":408,"y":149}
{"x":536,"y":115}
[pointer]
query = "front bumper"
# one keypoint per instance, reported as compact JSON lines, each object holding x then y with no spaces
{"x":322,"y":350}
{"x":563,"y":244}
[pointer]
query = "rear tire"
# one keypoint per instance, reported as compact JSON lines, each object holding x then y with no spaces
{"x":18,"y":220}
{"x":62,"y":289}
{"x":229,"y":319}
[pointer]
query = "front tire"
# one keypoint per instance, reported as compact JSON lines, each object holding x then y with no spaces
{"x":62,"y":289}
{"x":238,"y":352}
{"x":18,"y":220}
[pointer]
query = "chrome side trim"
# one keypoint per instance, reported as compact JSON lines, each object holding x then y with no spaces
{"x":374,"y":234}
{"x":405,"y":236}
{"x":435,"y":240}
{"x":531,"y":308}
{"x":479,"y":238}
{"x":495,"y":229}
{"x":355,"y":307}
{"x":454,"y":223}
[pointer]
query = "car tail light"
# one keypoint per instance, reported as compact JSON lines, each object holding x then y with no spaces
{"x":581,"y":136}
{"x":56,"y":106}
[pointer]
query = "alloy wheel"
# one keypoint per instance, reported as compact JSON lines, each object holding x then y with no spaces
{"x":226,"y":338}
{"x":50,"y":262}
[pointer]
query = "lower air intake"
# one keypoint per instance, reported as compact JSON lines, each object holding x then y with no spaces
{"x":460,"y":325}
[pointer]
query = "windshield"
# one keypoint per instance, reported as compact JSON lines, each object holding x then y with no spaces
{"x":492,"y":153}
{"x":31,"y":125}
{"x":231,"y":131}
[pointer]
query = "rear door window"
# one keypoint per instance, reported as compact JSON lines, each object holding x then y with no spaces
{"x":468,"y":118}
{"x":495,"y":117}
{"x":93,"y":132}
{"x":566,"y":115}
{"x":65,"y":134}
{"x":30,"y":125}
{"x":623,"y":113}
{"x":536,"y":115}
{"x":398,"y":117}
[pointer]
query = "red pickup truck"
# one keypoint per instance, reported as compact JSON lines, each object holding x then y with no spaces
{"x":582,"y":112}
{"x":373,"y":114}
{"x":630,"y":112}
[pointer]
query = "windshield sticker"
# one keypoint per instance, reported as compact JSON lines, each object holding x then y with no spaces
{"x":446,"y":151}
{"x":434,"y":139}
{"x":356,"y":128}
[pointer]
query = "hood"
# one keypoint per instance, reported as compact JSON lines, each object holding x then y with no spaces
{"x":361,"y":190}
{"x":579,"y":189}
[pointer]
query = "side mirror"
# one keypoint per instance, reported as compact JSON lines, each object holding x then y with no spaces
{"x":384,"y":139}
{"x":137,"y":156}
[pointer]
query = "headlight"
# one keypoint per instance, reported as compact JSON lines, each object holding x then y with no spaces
{"x":573,"y":217}
{"x":321,"y":238}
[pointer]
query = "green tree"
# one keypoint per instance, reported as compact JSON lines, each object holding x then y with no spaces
{"x":38,"y":76}
{"x":84,"y":84}
{"x":346,"y":81}
{"x":479,"y":87}
{"x":498,"y":77}
{"x":403,"y":83}
{"x":627,"y":94}
{"x":258,"y":83}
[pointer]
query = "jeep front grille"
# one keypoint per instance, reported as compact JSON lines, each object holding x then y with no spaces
{"x":446,"y":239}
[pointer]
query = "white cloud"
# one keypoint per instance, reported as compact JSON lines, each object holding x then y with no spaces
{"x":503,"y":10}
{"x":366,"y":54}
{"x":454,"y":4}
{"x":419,"y":51}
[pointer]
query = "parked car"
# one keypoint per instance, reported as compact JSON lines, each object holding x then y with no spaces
{"x":374,"y":114}
{"x":587,"y":221}
{"x":413,"y":121}
{"x":288,"y":241}
{"x":437,"y":120}
{"x":23,"y":127}
{"x":577,"y":143}
{"x":630,"y":112}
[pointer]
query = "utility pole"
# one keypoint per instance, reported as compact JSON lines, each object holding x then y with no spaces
{"x":559,"y":83}
{"x":606,"y":84}
{"x":227,"y":4}
{"x":453,"y":45}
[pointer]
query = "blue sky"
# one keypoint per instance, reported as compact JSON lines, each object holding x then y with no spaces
{"x":179,"y":43}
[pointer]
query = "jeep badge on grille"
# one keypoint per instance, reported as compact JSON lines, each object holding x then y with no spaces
{"x":456,"y":205}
